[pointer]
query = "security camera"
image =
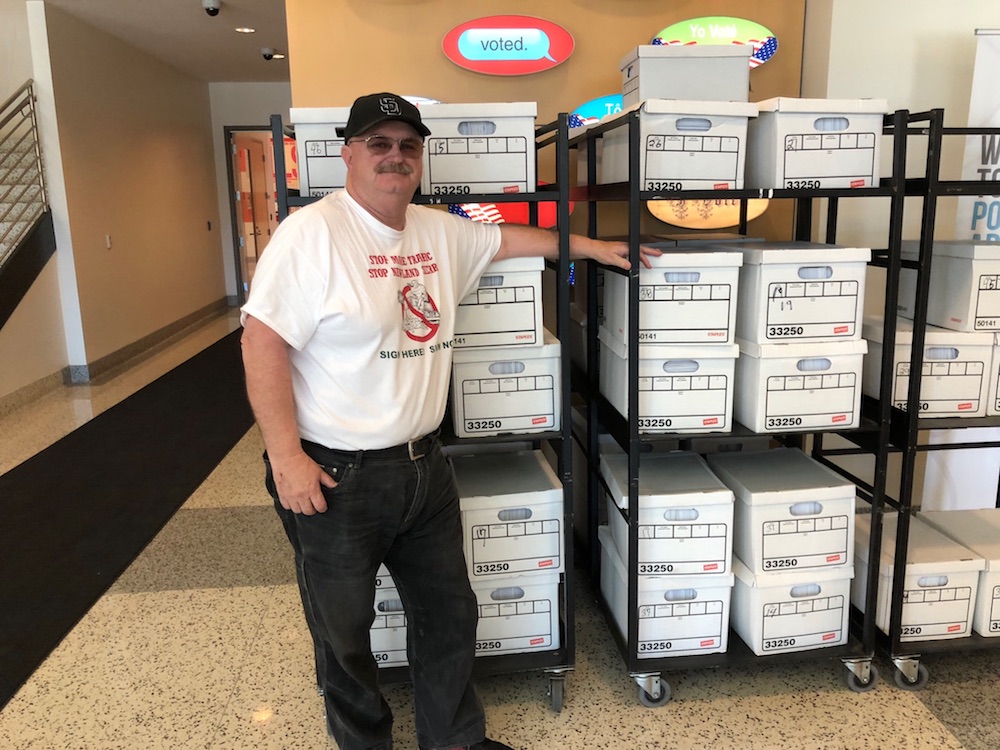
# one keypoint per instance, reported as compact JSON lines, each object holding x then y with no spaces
{"x":266,"y":52}
{"x":211,"y":6}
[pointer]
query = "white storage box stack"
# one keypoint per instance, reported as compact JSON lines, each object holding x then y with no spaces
{"x":685,"y":145}
{"x":317,"y":146}
{"x":964,"y":292}
{"x":687,"y":297}
{"x":506,"y":390}
{"x":681,"y":388}
{"x":505,"y":309}
{"x":513,"y":531}
{"x":954,"y":378}
{"x":793,"y":541}
{"x":479,"y":148}
{"x":795,"y":387}
{"x":815,"y":143}
{"x":388,"y":630}
{"x":940,"y":584}
{"x":798,"y":327}
{"x":672,"y":621}
{"x":697,"y":71}
{"x":979,"y":531}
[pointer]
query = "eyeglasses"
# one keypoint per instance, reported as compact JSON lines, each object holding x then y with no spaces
{"x":380,"y":145}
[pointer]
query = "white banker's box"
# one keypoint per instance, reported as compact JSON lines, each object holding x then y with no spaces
{"x":317,"y":145}
{"x":505,"y":308}
{"x":517,"y":615}
{"x":815,"y":143}
{"x":687,"y":297}
{"x":388,"y":631}
{"x":778,"y":613}
{"x":993,"y":400}
{"x":791,"y":513}
{"x":964,"y":293}
{"x":512,"y":514}
{"x":800,"y":291}
{"x":695,"y":71}
{"x":506,"y":390}
{"x":799,"y":386}
{"x":677,"y":616}
{"x":684,"y":145}
{"x":979,"y":531}
{"x":940,"y":583}
{"x":479,"y":148}
{"x":681,"y":388}
{"x":685,"y":516}
{"x":955,"y":369}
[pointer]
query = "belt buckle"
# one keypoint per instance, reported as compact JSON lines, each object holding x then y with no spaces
{"x":409,"y":449}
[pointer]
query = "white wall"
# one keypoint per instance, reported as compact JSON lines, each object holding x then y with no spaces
{"x":240,"y":105}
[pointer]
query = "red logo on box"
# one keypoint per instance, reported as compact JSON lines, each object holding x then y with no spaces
{"x":536,"y":641}
{"x":857,"y":183}
{"x":710,"y":420}
{"x":707,"y":642}
{"x":539,"y":420}
{"x":717,"y":334}
{"x":711,"y":566}
{"x":956,"y":628}
{"x":512,"y":189}
{"x":841,"y":329}
{"x":545,"y":564}
{"x":833,"y":558}
{"x":721,"y":186}
{"x":839,"y":418}
{"x":829,"y":636}
{"x":964,"y":407}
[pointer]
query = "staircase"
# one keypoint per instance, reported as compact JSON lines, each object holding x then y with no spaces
{"x":26,"y":236}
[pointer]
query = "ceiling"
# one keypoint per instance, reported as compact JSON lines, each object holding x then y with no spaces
{"x":181,"y":33}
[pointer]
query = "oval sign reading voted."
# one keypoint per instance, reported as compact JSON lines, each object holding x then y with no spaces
{"x":508,"y":45}
{"x":722,"y":30}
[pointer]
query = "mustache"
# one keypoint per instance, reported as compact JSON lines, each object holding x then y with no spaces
{"x":396,"y":167}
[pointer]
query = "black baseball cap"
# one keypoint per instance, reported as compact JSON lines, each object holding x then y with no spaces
{"x":368,"y":111}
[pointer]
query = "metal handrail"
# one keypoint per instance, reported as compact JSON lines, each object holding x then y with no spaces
{"x":22,"y":201}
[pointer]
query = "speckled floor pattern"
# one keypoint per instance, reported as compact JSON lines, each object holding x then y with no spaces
{"x":201,"y":644}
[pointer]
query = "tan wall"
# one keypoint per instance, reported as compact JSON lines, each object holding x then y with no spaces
{"x":15,"y":51}
{"x":340,"y":49}
{"x":138,"y":164}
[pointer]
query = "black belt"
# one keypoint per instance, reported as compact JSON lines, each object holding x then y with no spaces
{"x":411,"y":450}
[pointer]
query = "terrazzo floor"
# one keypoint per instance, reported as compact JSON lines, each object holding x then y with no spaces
{"x":201,"y":644}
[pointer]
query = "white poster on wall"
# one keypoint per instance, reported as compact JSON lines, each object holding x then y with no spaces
{"x":957,"y":479}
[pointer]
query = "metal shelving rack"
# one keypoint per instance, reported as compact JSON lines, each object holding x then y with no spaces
{"x":557,"y":663}
{"x":858,"y":653}
{"x":900,"y":430}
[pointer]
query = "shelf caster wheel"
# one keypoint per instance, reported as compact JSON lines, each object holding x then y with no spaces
{"x":904,"y":683}
{"x":651,"y":701}
{"x":557,"y":693}
{"x":858,"y":685}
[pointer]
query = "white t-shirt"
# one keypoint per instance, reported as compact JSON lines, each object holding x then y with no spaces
{"x":369,"y":314}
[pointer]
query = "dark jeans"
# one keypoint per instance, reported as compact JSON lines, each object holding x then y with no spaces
{"x":406,"y":514}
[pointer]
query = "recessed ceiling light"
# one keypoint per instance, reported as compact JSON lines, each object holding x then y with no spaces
{"x":245,"y":30}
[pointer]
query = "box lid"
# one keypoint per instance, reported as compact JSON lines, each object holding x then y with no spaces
{"x":548,"y":349}
{"x":689,"y":257}
{"x":332,"y":115}
{"x":478,"y":109}
{"x":803,"y":349}
{"x":873,"y":329}
{"x":496,"y":479}
{"x":669,"y":351}
{"x":978,"y":530}
{"x":677,"y":51}
{"x":968,"y":249}
{"x":797,"y":251}
{"x":666,"y":480}
{"x":928,"y":550}
{"x":847,"y":106}
{"x":798,"y":580}
{"x":512,"y":265}
{"x":777,"y":476}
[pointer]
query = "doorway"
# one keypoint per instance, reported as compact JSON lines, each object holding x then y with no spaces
{"x":253,"y":200}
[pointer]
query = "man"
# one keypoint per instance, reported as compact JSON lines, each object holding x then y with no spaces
{"x":347,"y":365}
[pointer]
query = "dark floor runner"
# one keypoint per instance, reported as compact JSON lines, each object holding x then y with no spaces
{"x":74,"y":516}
